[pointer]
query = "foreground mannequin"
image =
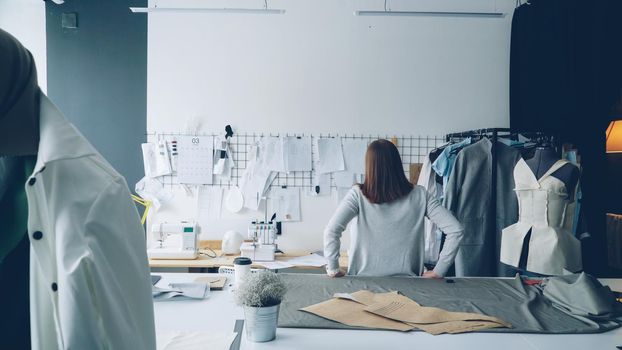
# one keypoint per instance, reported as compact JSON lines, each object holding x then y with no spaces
{"x":388,"y":230}
{"x":71,"y":212}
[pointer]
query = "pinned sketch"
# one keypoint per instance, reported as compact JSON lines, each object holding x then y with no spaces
{"x":330,"y":155}
{"x":354,"y":155}
{"x":297,"y":151}
{"x":209,"y":203}
{"x":286,"y":203}
{"x":156,"y":159}
{"x":271,"y":152}
{"x":321,"y":185}
{"x":196,"y":160}
{"x":256,"y":179}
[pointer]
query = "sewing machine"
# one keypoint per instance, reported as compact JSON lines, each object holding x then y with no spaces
{"x":174,"y":241}
{"x":263,"y":246}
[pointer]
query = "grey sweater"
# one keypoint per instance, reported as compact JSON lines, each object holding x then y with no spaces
{"x":388,"y":239}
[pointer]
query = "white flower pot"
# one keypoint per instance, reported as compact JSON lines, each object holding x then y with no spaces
{"x":261,"y":322}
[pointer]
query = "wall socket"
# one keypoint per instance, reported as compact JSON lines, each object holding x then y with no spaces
{"x":69,"y":20}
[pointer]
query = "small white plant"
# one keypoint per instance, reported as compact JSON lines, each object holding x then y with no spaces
{"x":261,"y":289}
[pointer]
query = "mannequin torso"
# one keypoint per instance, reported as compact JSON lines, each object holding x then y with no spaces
{"x":543,"y":160}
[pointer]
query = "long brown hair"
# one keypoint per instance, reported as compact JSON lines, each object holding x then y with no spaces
{"x":384,"y":176}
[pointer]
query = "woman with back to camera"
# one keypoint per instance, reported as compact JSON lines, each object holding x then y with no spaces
{"x":387,"y":237}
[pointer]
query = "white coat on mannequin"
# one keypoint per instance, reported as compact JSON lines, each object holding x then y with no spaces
{"x":89,"y":276}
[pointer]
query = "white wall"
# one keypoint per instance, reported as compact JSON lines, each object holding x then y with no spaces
{"x":25,"y":20}
{"x":318,"y":68}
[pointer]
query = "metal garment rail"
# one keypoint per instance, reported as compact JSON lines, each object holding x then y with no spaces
{"x":493,"y":134}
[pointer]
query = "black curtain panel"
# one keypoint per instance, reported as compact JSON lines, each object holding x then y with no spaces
{"x":565,"y":78}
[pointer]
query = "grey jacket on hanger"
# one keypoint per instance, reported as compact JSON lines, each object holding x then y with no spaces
{"x":468,"y":195}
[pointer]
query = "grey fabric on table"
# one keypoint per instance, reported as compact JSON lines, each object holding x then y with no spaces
{"x":522,"y":306}
{"x":582,"y":296}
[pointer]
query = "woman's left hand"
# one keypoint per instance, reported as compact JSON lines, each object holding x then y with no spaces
{"x":431,"y":274}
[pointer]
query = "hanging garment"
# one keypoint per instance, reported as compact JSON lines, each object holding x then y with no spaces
{"x":445,"y":161}
{"x":507,"y":203}
{"x":467,"y":196}
{"x":542,"y":206}
{"x":432,"y":243}
{"x":89,"y":275}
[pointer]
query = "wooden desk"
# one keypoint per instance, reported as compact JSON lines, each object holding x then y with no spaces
{"x":205,"y":262}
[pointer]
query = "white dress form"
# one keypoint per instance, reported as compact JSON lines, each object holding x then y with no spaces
{"x":542,"y":206}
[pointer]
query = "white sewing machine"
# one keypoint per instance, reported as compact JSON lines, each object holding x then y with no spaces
{"x":263,"y":246}
{"x":174,"y":241}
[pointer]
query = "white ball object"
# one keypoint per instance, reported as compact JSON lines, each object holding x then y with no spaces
{"x":231,"y":242}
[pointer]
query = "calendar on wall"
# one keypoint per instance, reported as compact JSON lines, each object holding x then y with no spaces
{"x":196,"y":160}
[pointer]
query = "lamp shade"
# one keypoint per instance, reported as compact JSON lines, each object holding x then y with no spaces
{"x":614,"y":137}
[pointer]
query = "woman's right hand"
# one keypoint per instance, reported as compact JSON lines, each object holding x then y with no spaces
{"x":335,"y":274}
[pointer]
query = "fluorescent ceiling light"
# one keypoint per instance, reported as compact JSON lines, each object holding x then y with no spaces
{"x":428,"y":13}
{"x":208,"y":10}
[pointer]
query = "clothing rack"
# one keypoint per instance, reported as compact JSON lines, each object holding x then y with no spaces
{"x":493,"y":135}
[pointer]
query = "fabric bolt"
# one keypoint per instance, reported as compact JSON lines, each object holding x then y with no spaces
{"x":522,"y":306}
{"x":89,"y":276}
{"x":387,"y":239}
{"x":542,"y":206}
{"x":432,"y":241}
{"x":445,"y":161}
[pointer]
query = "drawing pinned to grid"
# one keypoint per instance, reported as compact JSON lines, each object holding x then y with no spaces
{"x":209,"y":203}
{"x":271,"y":150}
{"x":413,"y":149}
{"x":330,"y":154}
{"x":196,"y":160}
{"x":298,"y":154}
{"x":286,"y":202}
{"x":354,"y":154}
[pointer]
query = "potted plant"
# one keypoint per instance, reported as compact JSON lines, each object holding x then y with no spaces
{"x":260,"y":296}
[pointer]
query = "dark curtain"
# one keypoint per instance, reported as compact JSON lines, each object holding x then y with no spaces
{"x":565,"y":77}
